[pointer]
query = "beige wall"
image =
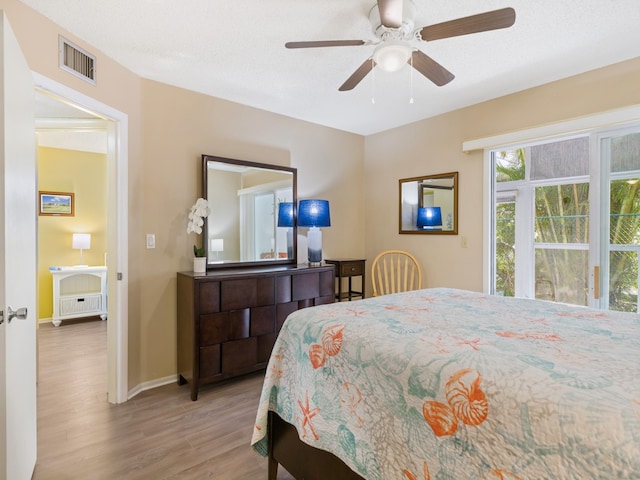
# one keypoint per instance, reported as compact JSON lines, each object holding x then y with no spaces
{"x":180,"y":126}
{"x":434,"y":146}
{"x":85,"y":175}
{"x":170,"y":128}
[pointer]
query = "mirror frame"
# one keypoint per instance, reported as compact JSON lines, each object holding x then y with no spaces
{"x":420,"y":186}
{"x":250,"y":263}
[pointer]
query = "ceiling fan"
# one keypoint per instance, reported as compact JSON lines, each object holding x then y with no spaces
{"x":395,"y":30}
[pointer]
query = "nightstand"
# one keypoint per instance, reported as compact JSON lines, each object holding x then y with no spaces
{"x":79,"y":292}
{"x":348,"y":268}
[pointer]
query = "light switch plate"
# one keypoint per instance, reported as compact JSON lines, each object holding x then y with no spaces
{"x":151,"y":240}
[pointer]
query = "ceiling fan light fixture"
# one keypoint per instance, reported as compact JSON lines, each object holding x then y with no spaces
{"x":392,"y":55}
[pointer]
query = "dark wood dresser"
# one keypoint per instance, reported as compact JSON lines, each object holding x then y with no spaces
{"x":228,"y":320}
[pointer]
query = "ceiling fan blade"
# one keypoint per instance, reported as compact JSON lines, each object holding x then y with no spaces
{"x":325,"y":43}
{"x":430,"y":68}
{"x":494,"y":20}
{"x":358,"y":75}
{"x":390,"y":13}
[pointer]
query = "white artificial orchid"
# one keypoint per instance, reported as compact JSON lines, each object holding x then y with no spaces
{"x":197,"y":214}
{"x":199,"y":211}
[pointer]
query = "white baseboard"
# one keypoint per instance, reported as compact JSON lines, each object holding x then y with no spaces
{"x":158,"y":382}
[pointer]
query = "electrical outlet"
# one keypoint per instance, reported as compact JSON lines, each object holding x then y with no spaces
{"x":151,"y":240}
{"x":464,"y":241}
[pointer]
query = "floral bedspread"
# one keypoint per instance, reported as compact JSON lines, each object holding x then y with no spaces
{"x":453,"y":385}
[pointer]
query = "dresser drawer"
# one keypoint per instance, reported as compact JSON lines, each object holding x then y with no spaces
{"x":239,"y":356}
{"x":214,"y":328}
{"x":210,"y":364}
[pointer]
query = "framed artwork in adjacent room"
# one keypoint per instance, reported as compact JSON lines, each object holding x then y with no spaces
{"x":56,"y":204}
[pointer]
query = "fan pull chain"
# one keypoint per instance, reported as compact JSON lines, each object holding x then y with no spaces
{"x":411,"y":80}
{"x":373,"y":82}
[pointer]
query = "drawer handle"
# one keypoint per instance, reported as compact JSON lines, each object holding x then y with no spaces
{"x":353,"y":269}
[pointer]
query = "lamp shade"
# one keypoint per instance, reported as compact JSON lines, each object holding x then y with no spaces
{"x":217,"y":245}
{"x":429,"y":217}
{"x":81,"y":241}
{"x":314,"y":213}
{"x":285,"y":214}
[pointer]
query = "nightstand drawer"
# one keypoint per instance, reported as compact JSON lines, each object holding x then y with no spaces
{"x":348,"y":269}
{"x":76,"y":304}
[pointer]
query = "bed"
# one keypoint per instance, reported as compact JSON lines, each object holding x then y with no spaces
{"x":449,"y":384}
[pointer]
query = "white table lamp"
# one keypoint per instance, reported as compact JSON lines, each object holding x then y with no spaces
{"x":81,"y":241}
{"x":217,"y":245}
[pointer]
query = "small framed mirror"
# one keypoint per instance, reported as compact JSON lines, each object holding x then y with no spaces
{"x":429,"y":204}
{"x":253,"y":215}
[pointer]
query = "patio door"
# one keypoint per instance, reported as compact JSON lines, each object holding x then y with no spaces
{"x":619,"y":237}
{"x":566,"y":223}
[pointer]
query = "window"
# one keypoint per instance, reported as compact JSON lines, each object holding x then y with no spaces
{"x":551,"y":238}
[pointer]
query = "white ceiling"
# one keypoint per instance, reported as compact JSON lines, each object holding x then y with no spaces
{"x":234,"y":50}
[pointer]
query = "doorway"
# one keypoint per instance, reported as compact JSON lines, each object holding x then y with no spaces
{"x":78,"y":112}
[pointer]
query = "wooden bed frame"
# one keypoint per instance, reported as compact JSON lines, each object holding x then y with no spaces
{"x":302,"y":461}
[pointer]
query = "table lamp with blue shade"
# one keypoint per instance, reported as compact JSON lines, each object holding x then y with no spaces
{"x":285,"y":219}
{"x":285,"y":214}
{"x":429,"y":218}
{"x":314,"y":214}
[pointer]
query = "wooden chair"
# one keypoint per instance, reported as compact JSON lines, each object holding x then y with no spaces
{"x":395,"y":271}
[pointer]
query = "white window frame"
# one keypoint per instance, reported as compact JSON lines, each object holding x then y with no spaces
{"x":589,"y":124}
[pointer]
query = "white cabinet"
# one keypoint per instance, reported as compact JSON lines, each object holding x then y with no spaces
{"x":79,"y":292}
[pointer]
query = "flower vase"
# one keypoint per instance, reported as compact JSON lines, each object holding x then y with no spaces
{"x":199,"y":264}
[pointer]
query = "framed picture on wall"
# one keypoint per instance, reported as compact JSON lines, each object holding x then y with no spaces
{"x":58,"y":204}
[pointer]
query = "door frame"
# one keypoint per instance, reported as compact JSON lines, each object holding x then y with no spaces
{"x":117,"y":232}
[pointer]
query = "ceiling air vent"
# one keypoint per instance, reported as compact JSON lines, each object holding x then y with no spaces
{"x":77,"y":61}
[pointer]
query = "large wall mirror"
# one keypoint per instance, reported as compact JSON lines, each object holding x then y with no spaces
{"x":252,"y":219}
{"x":429,"y":204}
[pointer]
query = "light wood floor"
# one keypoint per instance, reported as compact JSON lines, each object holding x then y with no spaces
{"x":159,"y":434}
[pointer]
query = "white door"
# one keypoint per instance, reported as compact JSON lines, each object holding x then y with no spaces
{"x":17,"y":262}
